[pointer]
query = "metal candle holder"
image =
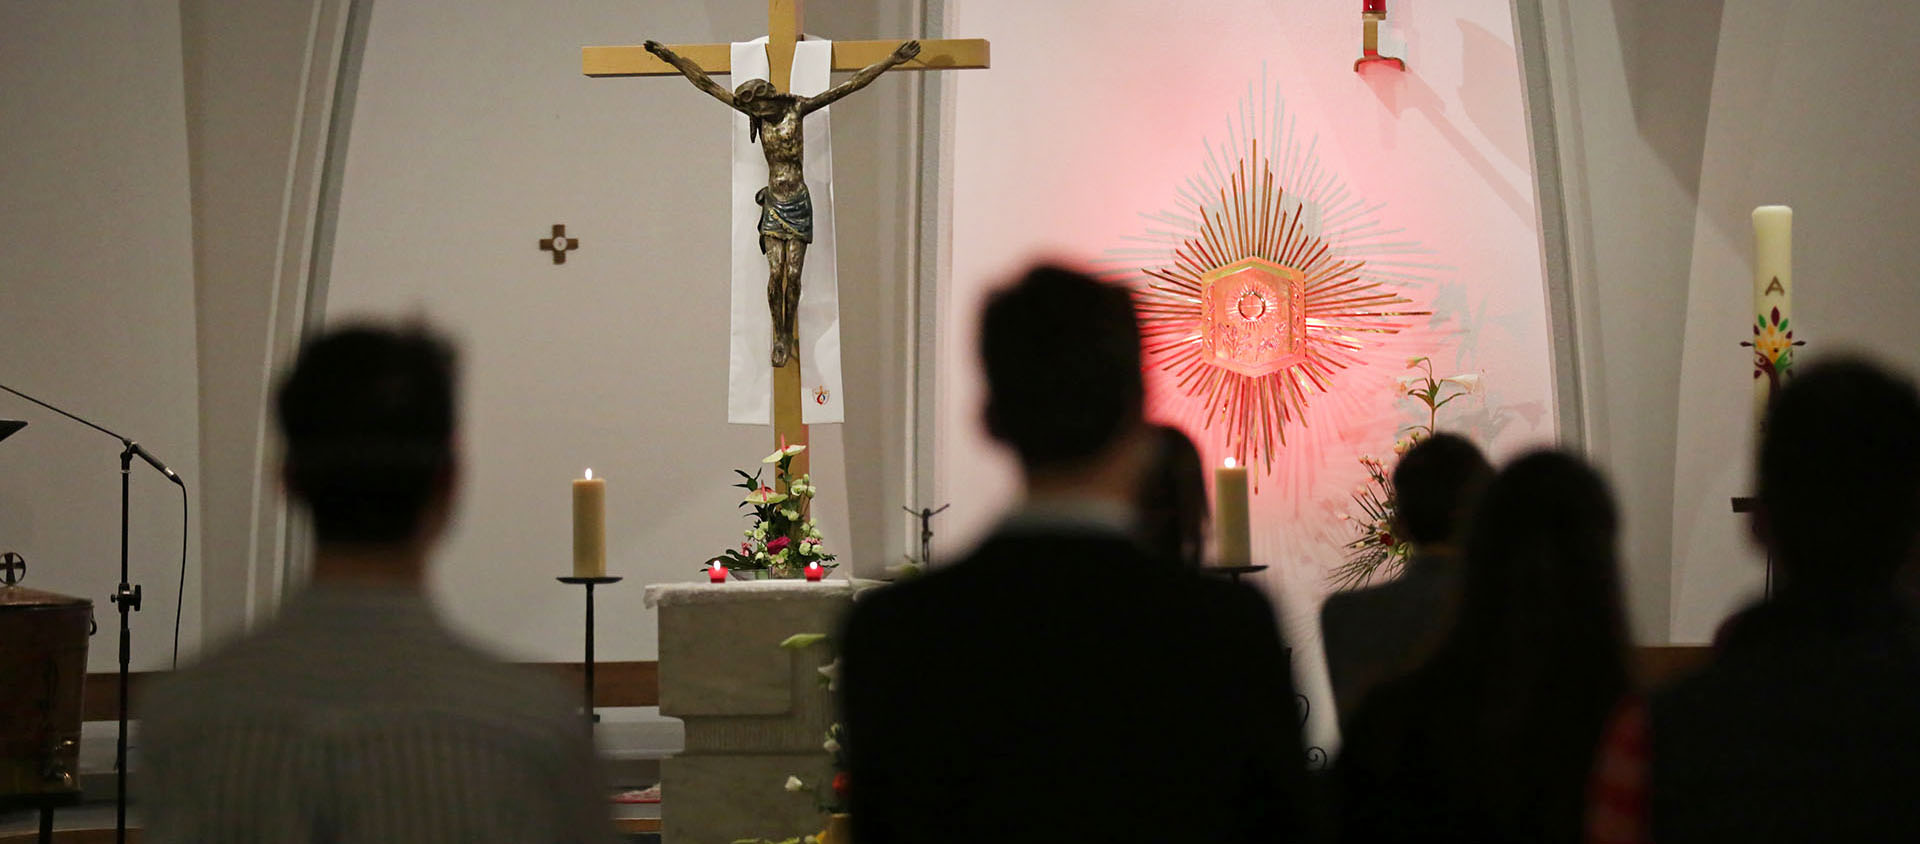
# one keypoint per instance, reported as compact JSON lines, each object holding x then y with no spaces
{"x":589,"y":582}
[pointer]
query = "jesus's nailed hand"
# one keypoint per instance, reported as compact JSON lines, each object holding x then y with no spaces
{"x":907,"y":51}
{"x":657,"y":49}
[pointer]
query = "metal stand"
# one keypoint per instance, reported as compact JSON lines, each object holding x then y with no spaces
{"x":127,"y":598}
{"x":589,"y":582}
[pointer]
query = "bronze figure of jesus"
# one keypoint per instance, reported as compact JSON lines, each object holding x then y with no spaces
{"x":786,"y":210}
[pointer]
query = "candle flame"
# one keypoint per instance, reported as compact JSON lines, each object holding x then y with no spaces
{"x":716,"y":565}
{"x":589,"y":474}
{"x":1231,"y":463}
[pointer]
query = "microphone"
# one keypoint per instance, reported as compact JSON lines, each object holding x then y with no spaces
{"x":155,"y":462}
{"x":129,"y":444}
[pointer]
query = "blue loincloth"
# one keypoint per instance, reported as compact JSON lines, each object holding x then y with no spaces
{"x":787,"y":219}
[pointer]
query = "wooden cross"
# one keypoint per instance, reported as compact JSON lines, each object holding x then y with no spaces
{"x":784,"y":32}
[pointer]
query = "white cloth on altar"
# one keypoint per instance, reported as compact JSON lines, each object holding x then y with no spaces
{"x":750,"y":374}
{"x":676,"y":594}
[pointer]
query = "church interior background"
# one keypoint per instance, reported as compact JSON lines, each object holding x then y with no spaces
{"x":1560,"y":190}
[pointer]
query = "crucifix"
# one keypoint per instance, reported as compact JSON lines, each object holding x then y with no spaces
{"x":785,"y":225}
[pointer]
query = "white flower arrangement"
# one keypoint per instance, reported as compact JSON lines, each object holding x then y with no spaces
{"x":782,"y":540}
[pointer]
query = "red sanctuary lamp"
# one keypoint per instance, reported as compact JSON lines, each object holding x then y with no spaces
{"x":1373,"y":13}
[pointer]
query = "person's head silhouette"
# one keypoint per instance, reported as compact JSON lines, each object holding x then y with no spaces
{"x":1435,"y":485}
{"x":1173,"y":498}
{"x":1061,"y":352}
{"x":1541,"y":574}
{"x":368,"y":412}
{"x":1538,"y":655}
{"x":1839,"y":479}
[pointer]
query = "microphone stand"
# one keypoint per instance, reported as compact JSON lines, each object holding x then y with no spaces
{"x":126,"y":598}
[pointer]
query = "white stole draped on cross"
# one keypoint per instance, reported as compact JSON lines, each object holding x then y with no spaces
{"x":750,"y":381}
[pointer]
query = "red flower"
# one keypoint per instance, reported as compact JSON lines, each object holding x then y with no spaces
{"x":746,"y":548}
{"x":778,"y":545}
{"x":840,"y":784}
{"x":1386,"y":539}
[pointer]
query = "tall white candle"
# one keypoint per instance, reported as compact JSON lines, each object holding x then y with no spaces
{"x":1232,"y":534}
{"x":1772,"y":301}
{"x":590,"y":526}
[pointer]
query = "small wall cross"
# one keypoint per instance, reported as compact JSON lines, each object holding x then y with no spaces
{"x":13,"y":568}
{"x":559,"y":244}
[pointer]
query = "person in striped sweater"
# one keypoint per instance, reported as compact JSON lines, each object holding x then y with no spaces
{"x":355,"y":714}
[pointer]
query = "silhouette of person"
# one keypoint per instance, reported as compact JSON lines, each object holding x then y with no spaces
{"x":1172,"y":500}
{"x":1493,"y":739}
{"x":1801,"y":727}
{"x":355,"y":715}
{"x":1376,"y":634}
{"x":1060,"y":683}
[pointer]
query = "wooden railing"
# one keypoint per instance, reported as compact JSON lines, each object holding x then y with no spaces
{"x":638,"y":683}
{"x":614,"y":684}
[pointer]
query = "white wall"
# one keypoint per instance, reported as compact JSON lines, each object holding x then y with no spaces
{"x":1677,"y":119}
{"x":1095,"y":113}
{"x":1632,"y":85}
{"x":97,"y":304}
{"x":249,"y":130}
{"x":1810,"y":109}
{"x":472,"y":135}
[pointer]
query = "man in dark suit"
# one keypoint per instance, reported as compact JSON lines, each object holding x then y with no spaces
{"x":1383,"y":632}
{"x":1804,"y":725}
{"x":1061,"y":684}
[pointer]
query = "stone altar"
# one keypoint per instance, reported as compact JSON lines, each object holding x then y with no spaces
{"x":755,"y":713}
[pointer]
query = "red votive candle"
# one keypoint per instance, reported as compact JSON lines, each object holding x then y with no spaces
{"x":815,"y":572}
{"x":1374,"y":7}
{"x":717,"y":574}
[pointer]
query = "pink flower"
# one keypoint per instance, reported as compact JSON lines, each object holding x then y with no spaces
{"x":778,"y":545}
{"x":746,"y":547}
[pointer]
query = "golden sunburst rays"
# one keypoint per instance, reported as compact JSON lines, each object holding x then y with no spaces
{"x":1240,"y":217}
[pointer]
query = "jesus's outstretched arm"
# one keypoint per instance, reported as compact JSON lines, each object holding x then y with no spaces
{"x":692,"y":71}
{"x":861,"y":78}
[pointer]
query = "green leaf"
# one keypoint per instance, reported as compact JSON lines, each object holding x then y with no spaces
{"x":799,"y":641}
